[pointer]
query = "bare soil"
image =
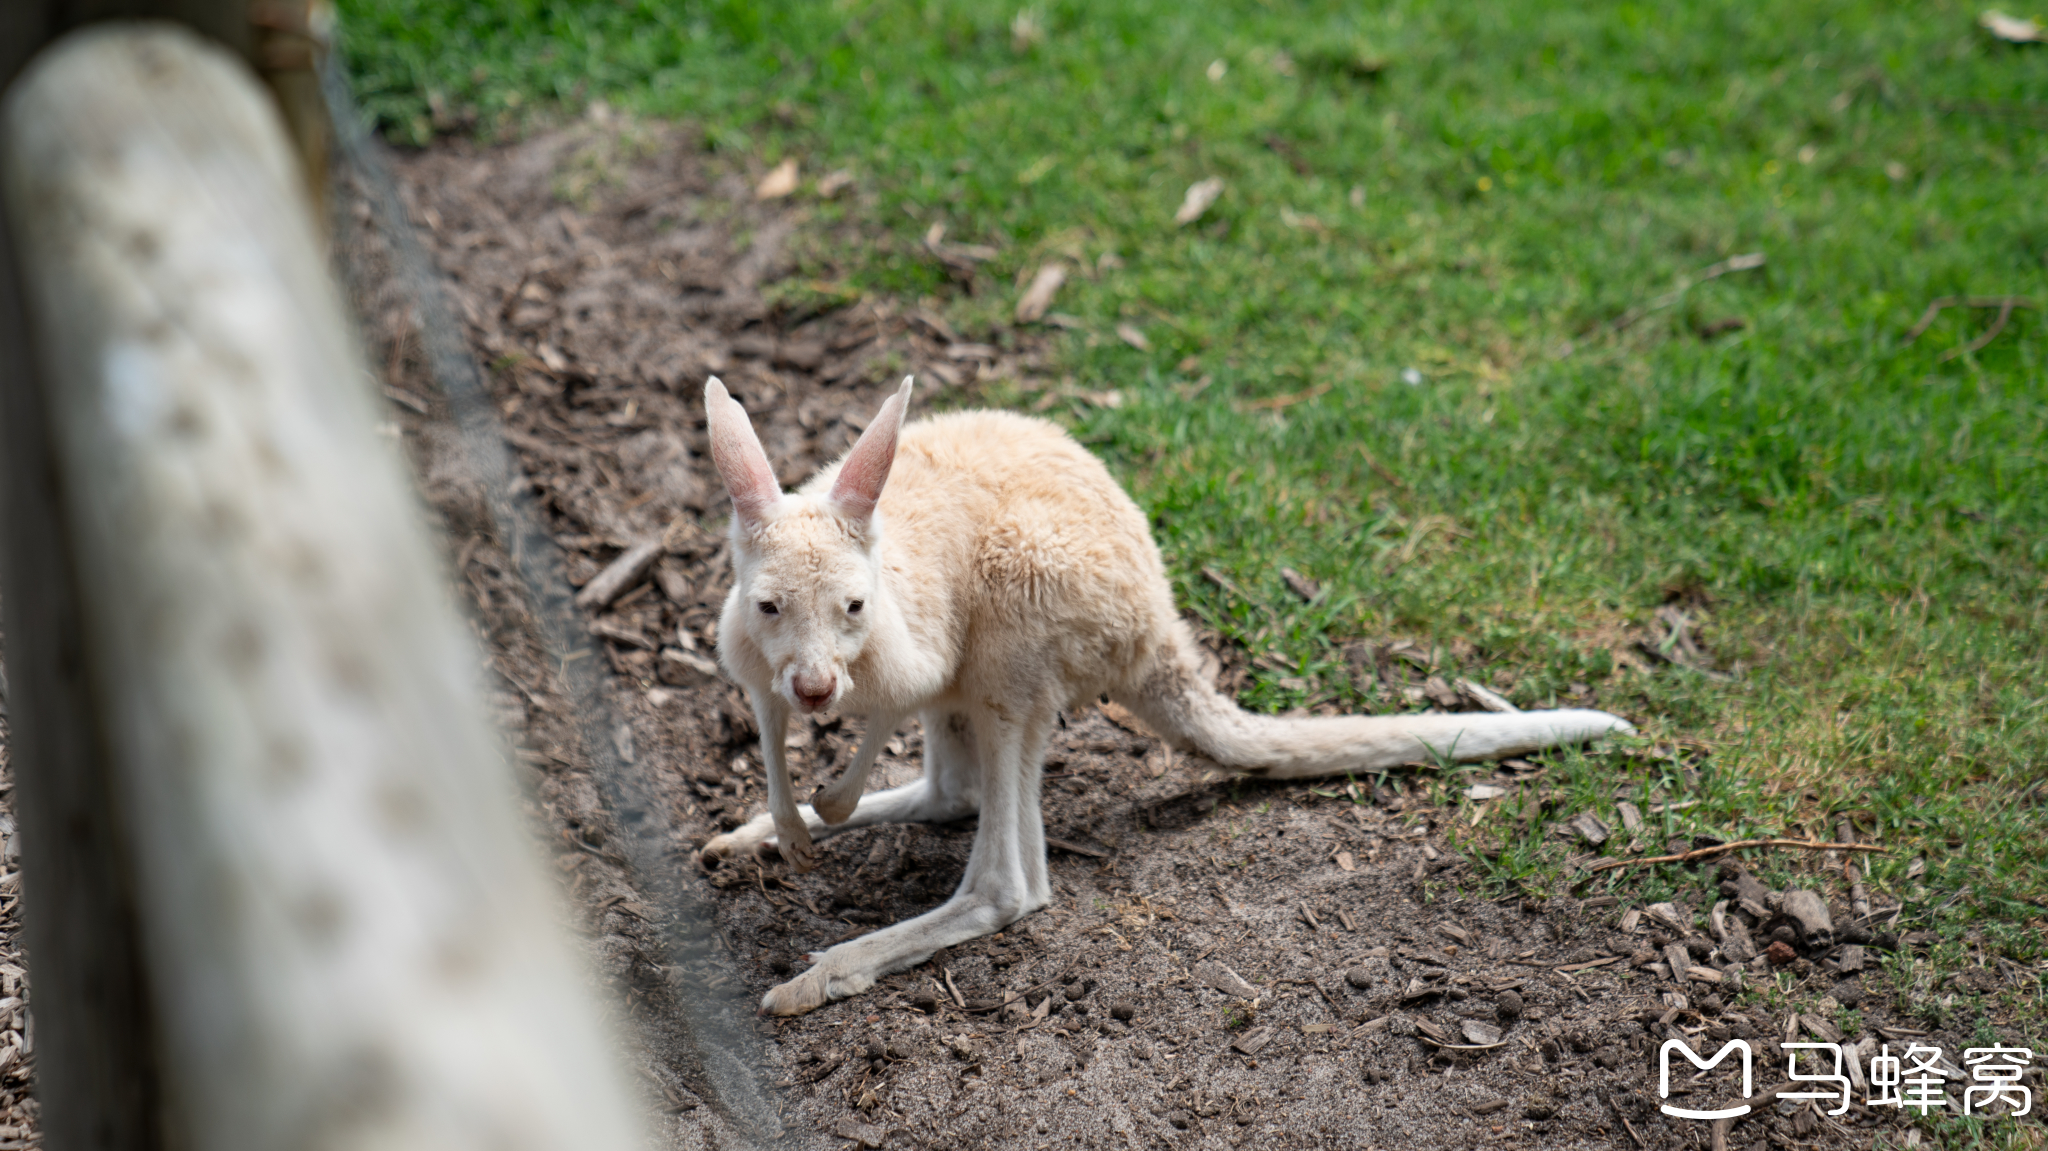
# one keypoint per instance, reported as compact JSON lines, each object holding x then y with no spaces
{"x":1226,"y":962}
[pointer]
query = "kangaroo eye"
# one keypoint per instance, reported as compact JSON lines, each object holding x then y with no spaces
{"x":768,"y":608}
{"x":853,"y":608}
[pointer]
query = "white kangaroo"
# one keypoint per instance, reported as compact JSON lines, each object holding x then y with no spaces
{"x":982,"y":571}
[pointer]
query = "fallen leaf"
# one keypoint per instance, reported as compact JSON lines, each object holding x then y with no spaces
{"x":1294,"y":219}
{"x":2013,"y":29}
{"x":1345,"y":861}
{"x":1199,"y":196}
{"x":1031,"y":307}
{"x":1485,"y":791}
{"x":1223,"y":979}
{"x":835,"y":182}
{"x":1130,"y":334}
{"x":1038,"y":170}
{"x":1300,"y":584}
{"x":779,"y":182}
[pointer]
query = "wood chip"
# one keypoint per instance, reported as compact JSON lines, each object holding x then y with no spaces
{"x":1309,"y":916}
{"x":2013,"y":29}
{"x":1344,"y":917}
{"x":1668,"y":915}
{"x":1031,"y":307}
{"x":1199,"y":196}
{"x":867,"y":1135}
{"x":1821,"y":1028}
{"x":621,"y":574}
{"x":1252,"y":1042}
{"x":1488,"y":1107}
{"x":1699,"y":974}
{"x":1631,"y":816}
{"x":1462,"y":936}
{"x":1590,"y":828}
{"x":1484,"y":791}
{"x":1484,"y":1034}
{"x":1318,"y":1028}
{"x":1075,"y":848}
{"x":1370,"y":1026}
{"x":1301,"y":585}
{"x":1486,"y":697}
{"x":779,"y":182}
{"x":1222,"y":978}
{"x":1345,"y":861}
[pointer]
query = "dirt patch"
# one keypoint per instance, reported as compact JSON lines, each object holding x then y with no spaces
{"x":20,"y":1124}
{"x":1224,"y":963}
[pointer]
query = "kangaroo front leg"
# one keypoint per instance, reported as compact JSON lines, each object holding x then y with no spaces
{"x":795,"y":838}
{"x":835,"y":801}
{"x":928,"y":800}
{"x":1004,"y":882}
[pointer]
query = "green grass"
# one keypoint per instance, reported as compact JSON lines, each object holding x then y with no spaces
{"x":1477,"y":192}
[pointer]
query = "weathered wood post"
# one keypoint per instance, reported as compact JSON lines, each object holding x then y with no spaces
{"x":345,"y":938}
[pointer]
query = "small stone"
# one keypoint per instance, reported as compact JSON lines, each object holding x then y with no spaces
{"x":1123,"y":1011}
{"x":1508,"y":1007}
{"x":1847,"y":994}
{"x":925,"y":1002}
{"x":865,"y":1135}
{"x":1539,"y":1109}
{"x":1780,"y":953}
{"x":1481,"y":1033}
{"x":1075,"y":991}
{"x":1179,"y":1119}
{"x":1360,"y":978}
{"x":1849,"y":960}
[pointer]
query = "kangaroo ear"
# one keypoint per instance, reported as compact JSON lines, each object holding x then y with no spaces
{"x":737,"y":453}
{"x":866,"y":468}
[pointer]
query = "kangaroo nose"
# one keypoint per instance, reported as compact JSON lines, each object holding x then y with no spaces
{"x":814,"y":692}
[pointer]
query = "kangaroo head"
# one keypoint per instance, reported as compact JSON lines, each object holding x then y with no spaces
{"x":805,"y":566}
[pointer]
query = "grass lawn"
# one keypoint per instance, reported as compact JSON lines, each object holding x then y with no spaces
{"x":1430,"y":347}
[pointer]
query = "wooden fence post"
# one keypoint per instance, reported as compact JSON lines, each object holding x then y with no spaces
{"x":346,"y":937}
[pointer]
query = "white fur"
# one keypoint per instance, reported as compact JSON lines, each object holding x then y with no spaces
{"x":1002,"y":575}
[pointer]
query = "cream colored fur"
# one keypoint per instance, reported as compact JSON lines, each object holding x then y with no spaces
{"x":1003,"y":576}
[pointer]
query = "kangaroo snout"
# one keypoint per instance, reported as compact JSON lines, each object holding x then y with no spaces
{"x":813,"y":689}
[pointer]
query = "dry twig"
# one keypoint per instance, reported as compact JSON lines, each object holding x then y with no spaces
{"x":2004,"y":304}
{"x":1714,"y":271}
{"x":1739,"y":845}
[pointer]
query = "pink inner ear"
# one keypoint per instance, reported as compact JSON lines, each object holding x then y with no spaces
{"x":740,"y":461}
{"x":859,"y":486}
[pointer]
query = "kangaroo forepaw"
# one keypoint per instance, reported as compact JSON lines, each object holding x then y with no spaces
{"x":795,"y":841}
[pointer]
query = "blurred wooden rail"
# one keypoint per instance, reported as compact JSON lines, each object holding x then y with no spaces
{"x":278,"y":892}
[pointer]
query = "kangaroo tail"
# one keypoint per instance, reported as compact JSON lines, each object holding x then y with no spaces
{"x":1178,"y":701}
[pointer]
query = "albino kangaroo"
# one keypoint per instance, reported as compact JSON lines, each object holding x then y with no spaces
{"x":981,"y":570}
